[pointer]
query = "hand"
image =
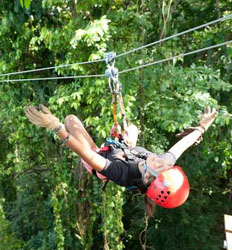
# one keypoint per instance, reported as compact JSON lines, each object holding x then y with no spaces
{"x":130,"y":134}
{"x":43,"y":118}
{"x":207,"y":118}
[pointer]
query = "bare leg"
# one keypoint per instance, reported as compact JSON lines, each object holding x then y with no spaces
{"x":81,"y":143}
{"x":74,"y":126}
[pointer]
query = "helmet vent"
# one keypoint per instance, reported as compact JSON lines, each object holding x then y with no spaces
{"x":163,"y":196}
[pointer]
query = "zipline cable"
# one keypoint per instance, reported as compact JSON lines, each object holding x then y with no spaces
{"x":125,"y":53}
{"x":53,"y":67}
{"x":174,"y":57}
{"x":52,"y":78}
{"x":176,"y":35}
{"x":123,"y":71}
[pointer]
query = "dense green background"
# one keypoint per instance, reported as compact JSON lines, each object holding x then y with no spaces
{"x":47,"y":201}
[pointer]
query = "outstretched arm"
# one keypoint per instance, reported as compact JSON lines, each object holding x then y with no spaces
{"x":186,"y":142}
{"x":178,"y":149}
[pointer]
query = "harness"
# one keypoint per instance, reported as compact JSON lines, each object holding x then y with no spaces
{"x":129,"y":157}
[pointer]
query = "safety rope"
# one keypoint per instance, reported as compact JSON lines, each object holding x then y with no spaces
{"x":125,"y":53}
{"x":115,"y":87}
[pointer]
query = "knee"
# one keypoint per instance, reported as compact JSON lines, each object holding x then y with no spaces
{"x":70,"y":121}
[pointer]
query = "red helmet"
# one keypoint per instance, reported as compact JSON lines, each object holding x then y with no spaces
{"x":169,"y":189}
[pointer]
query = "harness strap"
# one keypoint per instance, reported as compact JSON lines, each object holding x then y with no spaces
{"x":129,"y":157}
{"x":116,"y":143}
{"x":104,"y":149}
{"x":105,"y":184}
{"x":142,"y":155}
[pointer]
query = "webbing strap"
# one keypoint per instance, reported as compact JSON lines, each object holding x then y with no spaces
{"x":151,"y":171}
{"x":104,"y":149}
{"x":105,"y":184}
{"x":114,"y":110}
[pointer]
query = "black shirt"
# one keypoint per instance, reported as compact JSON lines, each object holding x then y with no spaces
{"x":122,"y":172}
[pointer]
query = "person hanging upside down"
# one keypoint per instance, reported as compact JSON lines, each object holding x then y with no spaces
{"x":125,"y":163}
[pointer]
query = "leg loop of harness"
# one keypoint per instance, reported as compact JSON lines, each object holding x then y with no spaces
{"x":105,"y":184}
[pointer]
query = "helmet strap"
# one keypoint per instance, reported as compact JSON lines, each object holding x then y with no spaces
{"x":145,"y":169}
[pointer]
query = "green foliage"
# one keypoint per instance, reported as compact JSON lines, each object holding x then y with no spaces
{"x":25,"y":3}
{"x":112,"y":217}
{"x":49,"y":201}
{"x":8,"y":239}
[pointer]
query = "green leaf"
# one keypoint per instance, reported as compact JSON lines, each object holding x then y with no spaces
{"x":25,"y":3}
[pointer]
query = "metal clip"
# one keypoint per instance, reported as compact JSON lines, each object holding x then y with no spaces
{"x":113,"y":142}
{"x":110,"y":57}
{"x":111,"y":72}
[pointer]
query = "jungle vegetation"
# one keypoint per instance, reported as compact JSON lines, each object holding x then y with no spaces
{"x":47,"y":200}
